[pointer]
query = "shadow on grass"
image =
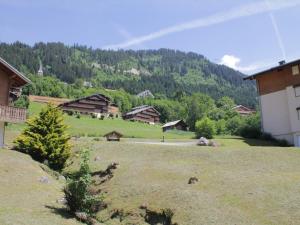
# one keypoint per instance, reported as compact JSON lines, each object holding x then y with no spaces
{"x":252,"y":141}
{"x":63,"y":212}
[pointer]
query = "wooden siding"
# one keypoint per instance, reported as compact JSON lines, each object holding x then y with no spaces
{"x":4,"y":88}
{"x":148,"y":115}
{"x":277,"y":80}
{"x":90,"y":104}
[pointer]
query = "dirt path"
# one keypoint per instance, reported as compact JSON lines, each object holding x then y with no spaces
{"x":167,"y":143}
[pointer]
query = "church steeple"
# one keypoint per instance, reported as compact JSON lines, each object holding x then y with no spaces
{"x":40,"y":71}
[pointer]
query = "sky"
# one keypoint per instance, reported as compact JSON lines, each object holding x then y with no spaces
{"x":246,"y":35}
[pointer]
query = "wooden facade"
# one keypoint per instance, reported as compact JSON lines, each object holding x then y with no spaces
{"x":276,"y":78}
{"x":177,"y":125}
{"x":10,"y":80}
{"x":96,"y":104}
{"x":146,"y":114}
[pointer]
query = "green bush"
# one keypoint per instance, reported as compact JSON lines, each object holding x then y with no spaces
{"x":22,"y":102}
{"x":221,"y":127}
{"x":234,"y":124}
{"x":205,"y":128}
{"x":78,"y":192}
{"x":45,"y":138}
{"x":251,"y":127}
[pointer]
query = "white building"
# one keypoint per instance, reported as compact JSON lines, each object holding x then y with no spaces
{"x":279,"y":97}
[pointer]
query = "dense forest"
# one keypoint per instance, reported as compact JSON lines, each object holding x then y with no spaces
{"x":167,"y":73}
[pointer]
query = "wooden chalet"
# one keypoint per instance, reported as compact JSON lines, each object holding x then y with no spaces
{"x":10,"y":80}
{"x":243,"y":110}
{"x":113,"y":136}
{"x":144,"y":113}
{"x":178,"y":125}
{"x":94,"y":104}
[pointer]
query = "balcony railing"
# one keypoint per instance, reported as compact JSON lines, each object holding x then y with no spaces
{"x":12,"y":114}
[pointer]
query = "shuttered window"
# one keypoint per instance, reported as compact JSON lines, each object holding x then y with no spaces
{"x":295,"y":70}
{"x":297,"y":91}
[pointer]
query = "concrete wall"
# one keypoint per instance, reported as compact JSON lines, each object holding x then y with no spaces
{"x":280,"y":116}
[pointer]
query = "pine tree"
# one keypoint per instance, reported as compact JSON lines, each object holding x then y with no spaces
{"x":45,"y":138}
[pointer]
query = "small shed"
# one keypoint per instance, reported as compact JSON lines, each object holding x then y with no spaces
{"x":113,"y":136}
{"x":178,"y":125}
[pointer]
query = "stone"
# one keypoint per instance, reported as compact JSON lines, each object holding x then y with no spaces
{"x":193,"y":180}
{"x":62,"y":201}
{"x":213,"y":144}
{"x":44,"y":180}
{"x":203,"y":141}
{"x":97,"y":158}
{"x":143,"y":206}
{"x":62,"y":178}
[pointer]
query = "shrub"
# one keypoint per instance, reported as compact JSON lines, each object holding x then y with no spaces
{"x":78,"y":192}
{"x":221,"y":127}
{"x":45,"y":138}
{"x":77,"y":115}
{"x":22,"y":102}
{"x":234,"y":124}
{"x":70,"y":113}
{"x":205,"y":128}
{"x":251,"y":127}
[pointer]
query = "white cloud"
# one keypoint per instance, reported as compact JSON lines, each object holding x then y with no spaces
{"x":239,"y":12}
{"x":234,"y":63}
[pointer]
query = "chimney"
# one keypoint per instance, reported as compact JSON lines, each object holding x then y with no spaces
{"x":282,"y":62}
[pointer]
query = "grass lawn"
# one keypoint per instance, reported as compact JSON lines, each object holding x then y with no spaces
{"x":87,"y":126}
{"x":238,"y":183}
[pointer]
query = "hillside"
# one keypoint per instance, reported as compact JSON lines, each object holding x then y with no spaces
{"x":165,"y":72}
{"x":28,"y":198}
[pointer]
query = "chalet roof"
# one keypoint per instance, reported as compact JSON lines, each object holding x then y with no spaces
{"x":243,"y":107}
{"x":145,"y":93}
{"x":141,"y":108}
{"x":292,"y":63}
{"x":113,"y":132}
{"x":18,"y":78}
{"x":105,"y":98}
{"x":172,"y":123}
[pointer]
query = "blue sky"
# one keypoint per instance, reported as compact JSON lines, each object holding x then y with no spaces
{"x":245,"y":35}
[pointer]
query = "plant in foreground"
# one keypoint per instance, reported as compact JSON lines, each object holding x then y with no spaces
{"x":79,"y":196}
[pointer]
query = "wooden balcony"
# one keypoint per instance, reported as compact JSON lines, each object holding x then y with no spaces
{"x":12,"y":114}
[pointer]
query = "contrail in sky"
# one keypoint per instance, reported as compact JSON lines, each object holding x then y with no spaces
{"x":239,"y":12}
{"x":277,"y":32}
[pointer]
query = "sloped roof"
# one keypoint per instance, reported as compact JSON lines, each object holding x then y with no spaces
{"x":145,"y":93}
{"x":243,"y":107}
{"x":141,"y":108}
{"x":172,"y":123}
{"x":18,"y":78}
{"x":105,"y":98}
{"x":113,"y":132}
{"x":292,"y":63}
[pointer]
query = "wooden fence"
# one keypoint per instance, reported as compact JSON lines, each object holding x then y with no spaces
{"x":12,"y":114}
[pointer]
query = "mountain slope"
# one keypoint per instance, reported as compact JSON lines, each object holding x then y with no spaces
{"x":164,"y":71}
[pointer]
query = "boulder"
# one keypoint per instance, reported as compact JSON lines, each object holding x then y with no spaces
{"x":203,"y":141}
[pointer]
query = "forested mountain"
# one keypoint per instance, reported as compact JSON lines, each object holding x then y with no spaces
{"x":165,"y":72}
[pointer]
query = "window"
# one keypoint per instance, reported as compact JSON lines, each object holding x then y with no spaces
{"x":297,"y":90}
{"x":298,"y":113}
{"x":295,"y":70}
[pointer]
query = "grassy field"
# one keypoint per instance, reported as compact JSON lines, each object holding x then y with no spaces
{"x":244,"y":181}
{"x":238,"y":183}
{"x":87,"y":126}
